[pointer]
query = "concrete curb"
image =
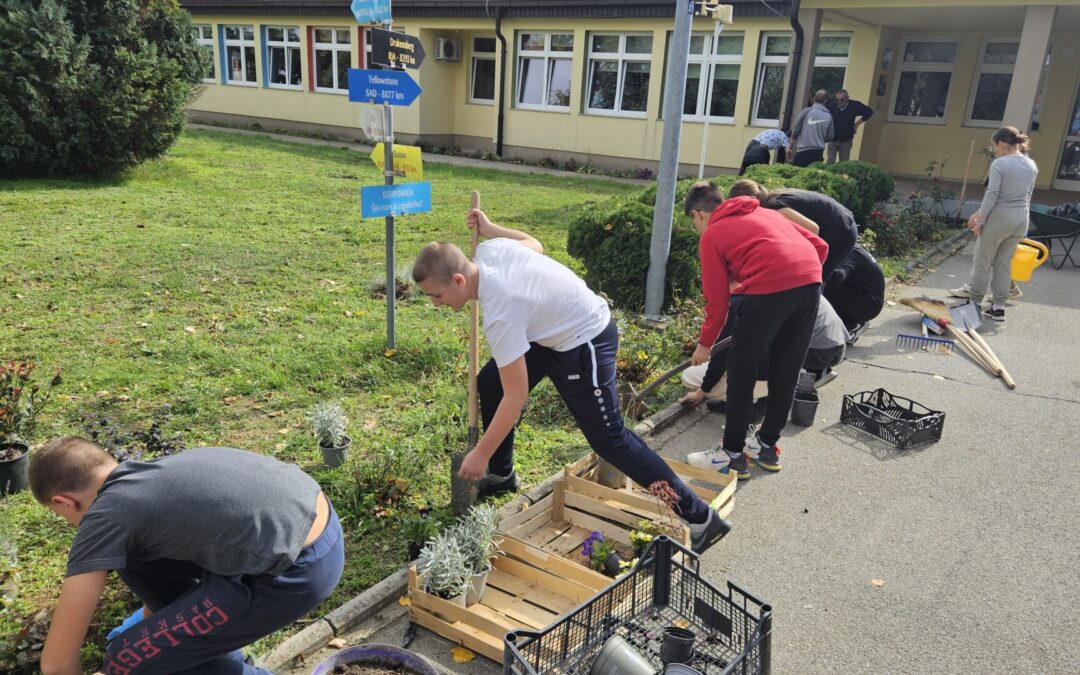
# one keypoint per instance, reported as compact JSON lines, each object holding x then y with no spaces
{"x":945,"y":247}
{"x":366,"y":604}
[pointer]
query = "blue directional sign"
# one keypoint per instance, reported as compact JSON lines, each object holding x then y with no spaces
{"x":394,"y":87}
{"x":371,"y":11}
{"x":378,"y":201}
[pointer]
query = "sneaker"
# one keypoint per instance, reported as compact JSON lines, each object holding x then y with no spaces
{"x":1014,"y":292}
{"x":826,"y":377}
{"x":704,"y":535}
{"x":492,"y":485}
{"x":715,"y":459}
{"x":740,"y":465}
{"x":962,"y":292}
{"x":767,"y":456}
{"x":995,"y":314}
{"x":856,"y":332}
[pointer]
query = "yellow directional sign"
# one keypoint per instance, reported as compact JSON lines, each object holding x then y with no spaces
{"x":407,"y":160}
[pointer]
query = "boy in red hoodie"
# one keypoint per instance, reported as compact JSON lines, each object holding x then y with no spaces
{"x":775,"y":266}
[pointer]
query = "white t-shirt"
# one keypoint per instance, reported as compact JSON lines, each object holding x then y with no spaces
{"x":528,"y":297}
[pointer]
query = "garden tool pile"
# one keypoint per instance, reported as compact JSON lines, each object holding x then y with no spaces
{"x":960,"y":322}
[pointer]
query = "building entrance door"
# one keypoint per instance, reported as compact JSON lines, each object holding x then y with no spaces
{"x":1068,"y":170}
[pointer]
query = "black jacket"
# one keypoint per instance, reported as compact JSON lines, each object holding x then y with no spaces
{"x":844,"y":120}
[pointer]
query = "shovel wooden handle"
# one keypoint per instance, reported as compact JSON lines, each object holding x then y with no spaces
{"x":1002,"y":373}
{"x":474,"y":342}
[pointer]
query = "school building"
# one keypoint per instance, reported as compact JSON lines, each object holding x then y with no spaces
{"x":585,"y":78}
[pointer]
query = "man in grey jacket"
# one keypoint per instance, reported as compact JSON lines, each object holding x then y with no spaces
{"x":813,"y":130}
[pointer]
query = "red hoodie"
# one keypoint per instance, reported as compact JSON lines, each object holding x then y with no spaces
{"x":758,"y":248}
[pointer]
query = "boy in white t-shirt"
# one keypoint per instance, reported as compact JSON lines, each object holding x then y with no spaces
{"x":541,"y":320}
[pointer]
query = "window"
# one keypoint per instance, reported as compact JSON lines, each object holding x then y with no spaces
{"x":922,"y":86}
{"x":204,"y":35}
{"x":830,"y":63}
{"x":719,"y":65}
{"x":772,"y":67}
{"x":482,"y":74}
{"x":239,"y":54}
{"x":992,"y":82}
{"x":619,"y":68}
{"x":283,"y":56}
{"x":333,"y":57}
{"x":543,"y":74}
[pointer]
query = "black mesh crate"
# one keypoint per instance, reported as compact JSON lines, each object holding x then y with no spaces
{"x":901,"y":422}
{"x":732,"y":627}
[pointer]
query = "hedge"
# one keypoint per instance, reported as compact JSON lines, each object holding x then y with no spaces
{"x":872,"y":184}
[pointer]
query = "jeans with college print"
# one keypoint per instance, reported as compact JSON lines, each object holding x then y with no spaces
{"x":201,"y":619}
{"x":585,"y":378}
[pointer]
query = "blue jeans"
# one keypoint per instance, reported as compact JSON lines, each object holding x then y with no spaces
{"x":585,"y":378}
{"x":201,"y":618}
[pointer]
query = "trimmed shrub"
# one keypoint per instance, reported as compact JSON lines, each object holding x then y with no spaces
{"x":92,"y":87}
{"x":776,"y":176}
{"x":872,"y":184}
{"x":614,"y":241}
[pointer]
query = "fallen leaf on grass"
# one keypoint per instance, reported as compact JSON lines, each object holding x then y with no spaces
{"x":404,"y":601}
{"x":462,"y":654}
{"x":229,"y":400}
{"x":189,"y":329}
{"x":877,"y":583}
{"x":370,"y":424}
{"x":390,"y":353}
{"x":276,"y":413}
{"x":283,"y":431}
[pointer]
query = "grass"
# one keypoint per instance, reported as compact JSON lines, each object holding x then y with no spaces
{"x":233,"y":280}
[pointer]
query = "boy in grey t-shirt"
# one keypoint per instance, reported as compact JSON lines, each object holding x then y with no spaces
{"x":221,"y":546}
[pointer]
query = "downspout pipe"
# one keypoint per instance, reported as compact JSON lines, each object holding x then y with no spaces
{"x":502,"y":81}
{"x":793,"y":63}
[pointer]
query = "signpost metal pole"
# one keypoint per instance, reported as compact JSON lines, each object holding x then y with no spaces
{"x":388,"y":172}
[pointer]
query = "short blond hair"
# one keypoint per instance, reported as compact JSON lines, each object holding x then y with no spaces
{"x":65,"y":465}
{"x":439,"y":261}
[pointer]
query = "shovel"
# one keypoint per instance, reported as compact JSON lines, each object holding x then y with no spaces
{"x":968,"y":316}
{"x":463,"y":492}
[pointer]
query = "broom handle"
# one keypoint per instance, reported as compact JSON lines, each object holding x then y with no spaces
{"x":969,"y":346}
{"x":963,"y":186}
{"x":474,"y":341}
{"x":1004,"y":374}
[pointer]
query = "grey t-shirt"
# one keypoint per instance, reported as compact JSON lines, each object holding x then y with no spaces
{"x":228,"y":511}
{"x":829,"y":331}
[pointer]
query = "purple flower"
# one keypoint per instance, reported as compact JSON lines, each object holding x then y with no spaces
{"x":587,"y":546}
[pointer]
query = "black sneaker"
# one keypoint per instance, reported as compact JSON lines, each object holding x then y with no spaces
{"x":768,"y":456}
{"x":995,"y":314}
{"x":492,"y":485}
{"x":856,"y":332}
{"x":708,"y":533}
{"x":740,"y":465}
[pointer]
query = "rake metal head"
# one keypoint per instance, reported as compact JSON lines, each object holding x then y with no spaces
{"x":928,"y":344}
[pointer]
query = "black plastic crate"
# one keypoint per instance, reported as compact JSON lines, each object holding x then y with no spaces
{"x":898,"y":421}
{"x":732,"y":628}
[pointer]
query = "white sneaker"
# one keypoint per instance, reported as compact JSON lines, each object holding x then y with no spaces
{"x":962,"y":292}
{"x":715,"y":459}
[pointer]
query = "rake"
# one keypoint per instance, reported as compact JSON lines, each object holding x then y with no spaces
{"x":928,"y":344}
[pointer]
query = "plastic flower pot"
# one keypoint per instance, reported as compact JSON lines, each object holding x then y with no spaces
{"x":611,"y":564}
{"x":376,"y":654}
{"x":13,"y":471}
{"x":335,"y":457}
{"x":678,"y":645}
{"x":680,"y":669}
{"x":804,"y":408}
{"x":608,"y":476}
{"x":619,"y":658}
{"x":477,"y":584}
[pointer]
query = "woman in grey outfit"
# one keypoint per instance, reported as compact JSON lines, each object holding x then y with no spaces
{"x":1002,"y":219}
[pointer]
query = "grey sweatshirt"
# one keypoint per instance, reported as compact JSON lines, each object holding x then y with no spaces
{"x":1012,"y":179}
{"x":814,"y":128}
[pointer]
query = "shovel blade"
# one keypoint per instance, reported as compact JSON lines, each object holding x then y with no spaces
{"x":966,"y":315}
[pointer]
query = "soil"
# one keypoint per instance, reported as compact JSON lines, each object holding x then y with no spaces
{"x":374,"y":668}
{"x":10,"y":453}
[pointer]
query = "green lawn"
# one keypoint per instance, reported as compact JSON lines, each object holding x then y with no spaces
{"x":234,"y":281}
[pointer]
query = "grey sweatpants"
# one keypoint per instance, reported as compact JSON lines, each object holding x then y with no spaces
{"x":843,"y":148}
{"x":994,"y":250}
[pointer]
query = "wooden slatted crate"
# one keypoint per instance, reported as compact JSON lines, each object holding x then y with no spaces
{"x":527,"y":588}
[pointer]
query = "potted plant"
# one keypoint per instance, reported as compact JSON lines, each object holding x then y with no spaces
{"x":328,"y":422}
{"x":444,"y":568}
{"x":21,"y":400}
{"x":643,"y":534}
{"x":601,"y":555}
{"x":476,"y":532}
{"x":417,"y":529}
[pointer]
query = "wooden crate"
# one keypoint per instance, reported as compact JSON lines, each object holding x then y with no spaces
{"x":527,"y":588}
{"x":723,"y":500}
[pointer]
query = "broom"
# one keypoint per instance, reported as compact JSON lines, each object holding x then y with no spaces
{"x":937,"y":311}
{"x":463,"y":492}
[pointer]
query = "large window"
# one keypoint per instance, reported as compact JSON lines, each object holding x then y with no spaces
{"x":204,"y":35}
{"x":769,"y":89}
{"x":482,"y":73}
{"x":992,"y":82}
{"x":543,"y":72}
{"x":333,"y":57}
{"x":922,"y":85}
{"x":619,"y":68}
{"x":240,"y":55}
{"x":830,"y":63}
{"x":719,"y":66}
{"x":283,"y":57}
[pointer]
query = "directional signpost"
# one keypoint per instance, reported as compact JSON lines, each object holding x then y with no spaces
{"x":378,"y":201}
{"x":389,"y":87}
{"x":371,"y":11}
{"x":407,"y":161}
{"x":395,"y":50}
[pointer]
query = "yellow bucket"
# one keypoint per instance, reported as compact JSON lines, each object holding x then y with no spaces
{"x":1029,"y":255}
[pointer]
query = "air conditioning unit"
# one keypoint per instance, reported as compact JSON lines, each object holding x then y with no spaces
{"x":447,"y":49}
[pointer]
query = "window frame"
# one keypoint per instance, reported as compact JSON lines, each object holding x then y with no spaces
{"x":622,"y":58}
{"x":240,"y":42}
{"x":708,"y":61}
{"x":210,"y":44}
{"x":903,"y":66}
{"x":764,"y":60}
{"x":834,"y":61}
{"x":475,"y":56}
{"x":548,"y":55}
{"x":982,"y":68}
{"x":286,"y":45}
{"x":335,"y":48}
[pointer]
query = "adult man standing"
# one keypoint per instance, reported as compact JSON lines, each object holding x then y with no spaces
{"x":757,"y":152}
{"x":813,"y":129}
{"x":847,"y":116}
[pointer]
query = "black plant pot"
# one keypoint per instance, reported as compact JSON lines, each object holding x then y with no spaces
{"x":678,"y":645}
{"x":414,"y":550}
{"x":13,"y":475}
{"x":611,"y":564}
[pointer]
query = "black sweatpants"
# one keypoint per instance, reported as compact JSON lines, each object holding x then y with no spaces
{"x":585,"y":378}
{"x":808,"y":156}
{"x":756,"y":153}
{"x":778,"y":326}
{"x":854,"y":304}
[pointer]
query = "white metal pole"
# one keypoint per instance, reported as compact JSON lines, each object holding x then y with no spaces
{"x":709,"y":65}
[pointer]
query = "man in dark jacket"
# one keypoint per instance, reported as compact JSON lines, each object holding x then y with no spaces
{"x":847,"y":116}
